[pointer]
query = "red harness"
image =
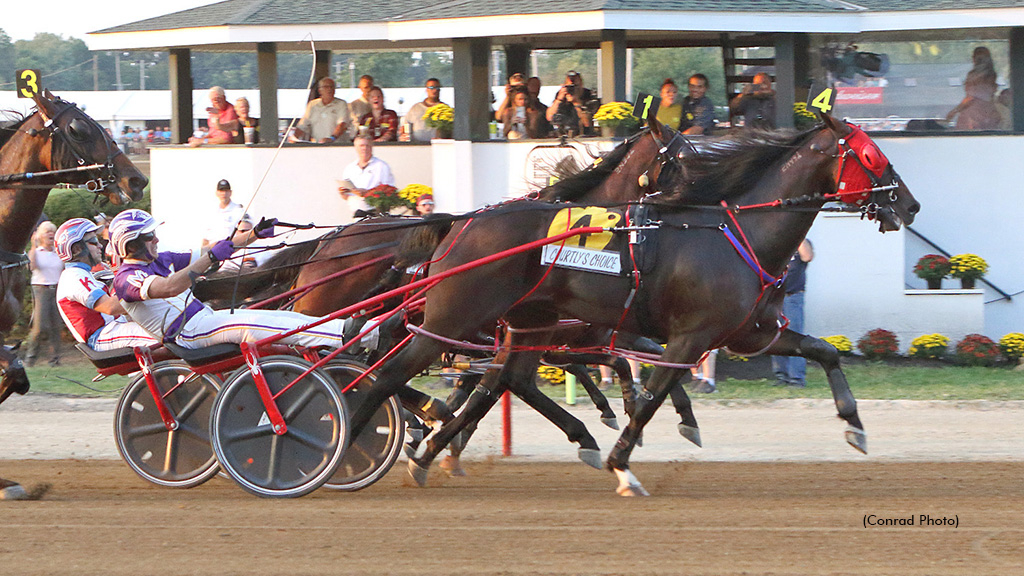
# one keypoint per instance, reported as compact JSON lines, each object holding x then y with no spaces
{"x":854,"y":181}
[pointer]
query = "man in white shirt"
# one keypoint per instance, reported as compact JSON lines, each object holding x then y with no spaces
{"x":420,"y":132}
{"x":326,"y":118}
{"x":225,"y":218}
{"x":366,"y":172}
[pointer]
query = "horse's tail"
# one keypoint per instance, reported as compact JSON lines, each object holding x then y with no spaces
{"x":416,"y":247}
{"x":271,"y":278}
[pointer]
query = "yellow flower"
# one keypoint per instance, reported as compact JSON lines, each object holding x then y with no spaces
{"x":1012,"y":345}
{"x":967,"y":266}
{"x":553,"y":375}
{"x":439,"y":115}
{"x":842,"y":343}
{"x":614,"y":111}
{"x":929,"y":346}
{"x":413,"y":191}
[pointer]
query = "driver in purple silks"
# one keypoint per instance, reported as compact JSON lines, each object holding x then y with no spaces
{"x":154,"y":288}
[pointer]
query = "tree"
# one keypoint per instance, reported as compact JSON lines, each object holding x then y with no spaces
{"x":652,"y":65}
{"x":7,"y":58}
{"x":64,"y":64}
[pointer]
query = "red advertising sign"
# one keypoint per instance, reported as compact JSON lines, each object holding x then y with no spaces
{"x":859,"y":95}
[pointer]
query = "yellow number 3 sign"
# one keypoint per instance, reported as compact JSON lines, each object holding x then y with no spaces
{"x":27,"y":83}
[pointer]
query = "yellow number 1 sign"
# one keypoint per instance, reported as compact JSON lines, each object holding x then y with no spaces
{"x":645,"y":106}
{"x":27,"y":83}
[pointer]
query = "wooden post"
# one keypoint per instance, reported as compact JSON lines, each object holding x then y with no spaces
{"x":470,"y":66}
{"x":266,"y":64}
{"x":180,"y":80}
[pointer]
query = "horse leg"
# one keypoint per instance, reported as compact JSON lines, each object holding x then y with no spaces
{"x":10,"y":490}
{"x":596,"y":396}
{"x":796,"y":344}
{"x":651,"y":397}
{"x":684,"y":407}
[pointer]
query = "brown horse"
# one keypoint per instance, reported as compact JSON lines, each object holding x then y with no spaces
{"x":701,"y":294}
{"x":56,"y":144}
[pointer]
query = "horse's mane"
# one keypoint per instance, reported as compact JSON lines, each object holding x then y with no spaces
{"x":729,"y":165}
{"x":10,"y":122}
{"x":574,"y":186}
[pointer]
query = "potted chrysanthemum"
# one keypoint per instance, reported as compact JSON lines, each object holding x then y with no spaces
{"x":440,"y":117}
{"x":968,"y":268}
{"x":932,"y":268}
{"x":616,"y":119}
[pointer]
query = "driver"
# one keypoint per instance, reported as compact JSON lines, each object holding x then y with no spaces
{"x":154,"y":287}
{"x":93,"y":316}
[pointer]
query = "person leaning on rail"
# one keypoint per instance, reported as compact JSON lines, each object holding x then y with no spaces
{"x":93,"y":316}
{"x":154,"y":288}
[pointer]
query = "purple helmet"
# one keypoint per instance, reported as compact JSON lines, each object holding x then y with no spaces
{"x":128,"y":226}
{"x":71,"y":232}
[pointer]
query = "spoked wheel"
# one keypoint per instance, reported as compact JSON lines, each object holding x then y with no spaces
{"x":180,"y":458}
{"x":296,"y":462}
{"x":371,"y":454}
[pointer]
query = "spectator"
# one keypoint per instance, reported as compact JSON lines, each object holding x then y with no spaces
{"x":669,"y":112}
{"x":380,"y":123}
{"x":416,"y":129}
{"x":326,"y":118}
{"x":543,"y":127}
{"x":248,"y":127}
{"x":361,"y":106}
{"x":46,"y":267}
{"x":704,"y":374}
{"x":606,"y":375}
{"x":226,"y":218}
{"x":521,"y":120}
{"x":222,"y":120}
{"x":978,"y":110}
{"x":425,"y":205}
{"x":698,"y":113}
{"x":792,"y":370}
{"x":93,"y":316}
{"x":756,"y":103}
{"x":514,"y":81}
{"x":570,"y":113}
{"x":363,"y":174}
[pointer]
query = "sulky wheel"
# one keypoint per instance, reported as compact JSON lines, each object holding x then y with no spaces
{"x":296,"y":462}
{"x":180,"y":458}
{"x":371,"y":454}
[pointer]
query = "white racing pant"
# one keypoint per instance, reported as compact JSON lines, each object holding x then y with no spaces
{"x":210,"y":327}
{"x":120,"y":333}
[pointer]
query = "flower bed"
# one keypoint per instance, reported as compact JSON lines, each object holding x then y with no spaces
{"x":879,"y":343}
{"x":929,"y":346}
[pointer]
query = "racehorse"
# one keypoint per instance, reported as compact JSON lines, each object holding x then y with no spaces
{"x":716,"y":283}
{"x":55,"y":144}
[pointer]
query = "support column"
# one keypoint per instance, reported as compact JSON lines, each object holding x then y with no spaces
{"x":1017,"y":77}
{"x":471,"y":59}
{"x":180,"y":81}
{"x":517,"y":59}
{"x":785,"y":78}
{"x":613,"y":66}
{"x":321,"y":68}
{"x":266,"y":68}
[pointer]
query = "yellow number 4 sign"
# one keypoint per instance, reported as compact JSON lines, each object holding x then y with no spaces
{"x":823,"y":101}
{"x":27,"y":83}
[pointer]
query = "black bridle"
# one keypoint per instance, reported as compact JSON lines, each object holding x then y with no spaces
{"x":61,"y":137}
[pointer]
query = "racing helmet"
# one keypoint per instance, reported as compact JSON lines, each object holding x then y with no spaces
{"x":128,"y":226}
{"x":71,"y":232}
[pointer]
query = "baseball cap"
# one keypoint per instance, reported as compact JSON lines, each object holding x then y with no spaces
{"x":571,"y":73}
{"x":223,"y":185}
{"x":517,"y":76}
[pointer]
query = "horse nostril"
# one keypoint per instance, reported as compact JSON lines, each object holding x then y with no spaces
{"x":915,"y":208}
{"x":138,"y":182}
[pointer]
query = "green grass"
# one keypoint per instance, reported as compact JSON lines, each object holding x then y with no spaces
{"x":867,"y":380}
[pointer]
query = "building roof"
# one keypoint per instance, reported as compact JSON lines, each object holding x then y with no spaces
{"x":377,"y":24}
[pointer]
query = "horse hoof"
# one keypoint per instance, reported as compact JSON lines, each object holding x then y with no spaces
{"x":632,"y":490}
{"x":691,"y":433}
{"x":612,"y":422}
{"x":418,"y":473}
{"x":590,"y":457}
{"x":13,"y":492}
{"x":857,"y":438}
{"x":452,"y":466}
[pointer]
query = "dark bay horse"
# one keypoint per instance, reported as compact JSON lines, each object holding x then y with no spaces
{"x":57,"y":137}
{"x":701,"y":294}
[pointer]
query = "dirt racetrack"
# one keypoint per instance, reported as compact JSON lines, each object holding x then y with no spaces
{"x":714,"y":518}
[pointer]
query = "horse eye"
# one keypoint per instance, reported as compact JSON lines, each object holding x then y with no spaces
{"x":79,"y":129}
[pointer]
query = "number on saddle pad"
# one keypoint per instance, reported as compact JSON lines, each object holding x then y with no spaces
{"x":821,"y":100}
{"x":646,"y":106}
{"x":27,"y":83}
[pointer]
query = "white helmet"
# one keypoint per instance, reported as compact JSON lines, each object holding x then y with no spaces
{"x":69,"y":233}
{"x":128,"y":226}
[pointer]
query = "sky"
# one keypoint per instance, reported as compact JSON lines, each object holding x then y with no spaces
{"x":23,"y":19}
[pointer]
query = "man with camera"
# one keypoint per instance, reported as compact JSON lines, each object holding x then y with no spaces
{"x":573,"y":107}
{"x":756,"y":103}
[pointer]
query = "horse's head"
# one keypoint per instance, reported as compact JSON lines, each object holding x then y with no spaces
{"x":866,"y":178}
{"x":77,"y":140}
{"x":12,"y":373}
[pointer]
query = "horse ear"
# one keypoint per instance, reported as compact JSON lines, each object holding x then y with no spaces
{"x":44,"y":101}
{"x":653,"y":124}
{"x":838,"y":127}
